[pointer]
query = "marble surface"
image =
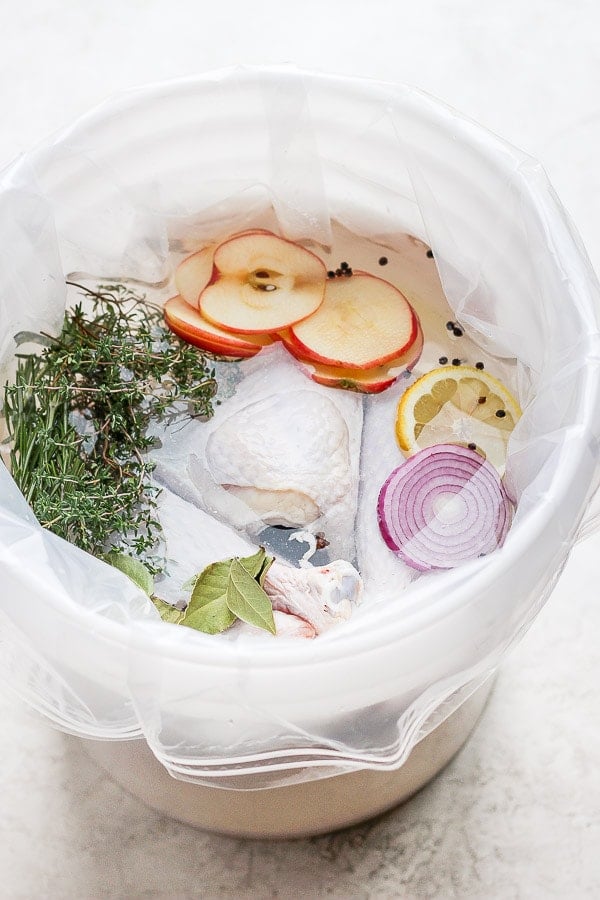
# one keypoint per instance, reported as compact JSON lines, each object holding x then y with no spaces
{"x":516,"y":814}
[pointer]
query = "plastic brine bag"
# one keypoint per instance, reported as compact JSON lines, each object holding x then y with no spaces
{"x":162,"y":170}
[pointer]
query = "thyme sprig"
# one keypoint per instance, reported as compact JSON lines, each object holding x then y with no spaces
{"x":78,"y":414}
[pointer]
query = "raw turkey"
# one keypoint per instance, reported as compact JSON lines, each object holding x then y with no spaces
{"x":306,"y":601}
{"x":281,"y":451}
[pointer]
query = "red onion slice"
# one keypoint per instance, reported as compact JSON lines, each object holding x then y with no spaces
{"x":443,"y":506}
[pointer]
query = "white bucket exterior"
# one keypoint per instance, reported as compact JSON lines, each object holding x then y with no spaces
{"x":82,"y":646}
{"x":292,"y":811}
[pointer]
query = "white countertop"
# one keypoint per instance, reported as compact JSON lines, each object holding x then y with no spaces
{"x":517,"y":813}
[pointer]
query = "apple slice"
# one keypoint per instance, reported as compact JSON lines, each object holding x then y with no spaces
{"x":194,"y":273}
{"x":262,"y":283}
{"x":362,"y":323}
{"x":187,"y":323}
{"x":365,"y":381}
{"x":353,"y":381}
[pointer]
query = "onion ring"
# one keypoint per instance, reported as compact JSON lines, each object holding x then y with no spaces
{"x":442,"y":507}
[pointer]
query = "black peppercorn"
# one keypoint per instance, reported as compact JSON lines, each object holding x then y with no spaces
{"x":430,"y":254}
{"x":331,"y":274}
{"x":456,"y":362}
{"x":344,"y":265}
{"x":472,"y":446}
{"x":500,"y":413}
{"x":450,"y":326}
{"x":443,"y":360}
{"x":479,"y":365}
{"x":383,"y":260}
{"x":458,"y":332}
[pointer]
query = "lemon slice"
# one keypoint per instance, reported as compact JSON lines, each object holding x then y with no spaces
{"x":461,"y":405}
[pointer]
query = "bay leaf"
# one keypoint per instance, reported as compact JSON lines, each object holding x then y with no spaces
{"x":253,"y":564}
{"x":210,"y":584}
{"x":267,"y":563}
{"x":212,"y":581}
{"x":167,"y":612}
{"x":247,"y":600}
{"x":211,"y":618}
{"x":133,"y":568}
{"x":190,"y":584}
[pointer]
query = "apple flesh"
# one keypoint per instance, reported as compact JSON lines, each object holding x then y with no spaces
{"x":194,"y":274}
{"x":365,"y":381}
{"x":262,"y":283}
{"x":188,"y":324}
{"x":362,"y":323}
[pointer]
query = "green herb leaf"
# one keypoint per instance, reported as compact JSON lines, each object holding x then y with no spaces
{"x":253,"y":564}
{"x":77,"y":416}
{"x":211,"y":584}
{"x":133,"y":568}
{"x":212,"y":617}
{"x":167,"y":612}
{"x":207,"y":610}
{"x":190,"y":584}
{"x":247,"y":600}
{"x":227,"y":590}
{"x":267,"y":563}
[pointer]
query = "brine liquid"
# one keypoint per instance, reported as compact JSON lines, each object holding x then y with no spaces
{"x":408,"y":264}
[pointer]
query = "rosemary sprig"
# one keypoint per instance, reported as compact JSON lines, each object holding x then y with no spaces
{"x":78,"y":414}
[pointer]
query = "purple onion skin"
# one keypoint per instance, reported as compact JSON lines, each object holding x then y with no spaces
{"x":409,"y":524}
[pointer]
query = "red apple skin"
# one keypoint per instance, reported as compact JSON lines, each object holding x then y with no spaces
{"x":210,"y":347}
{"x":187,"y":323}
{"x":182,"y":284}
{"x":274,"y":334}
{"x":365,"y":381}
{"x":204,"y":343}
{"x":249,"y":231}
{"x":298,"y":349}
{"x":214,"y":273}
{"x":360,"y":387}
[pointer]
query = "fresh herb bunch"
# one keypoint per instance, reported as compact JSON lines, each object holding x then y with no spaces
{"x":78,"y":415}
